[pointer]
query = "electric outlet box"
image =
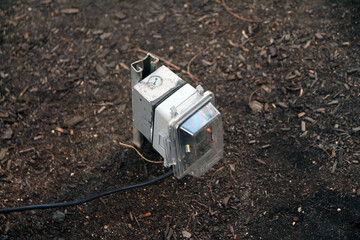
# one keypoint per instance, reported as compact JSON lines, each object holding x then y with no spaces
{"x":180,"y":121}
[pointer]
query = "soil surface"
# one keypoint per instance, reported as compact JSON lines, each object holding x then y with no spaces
{"x":287,"y":87}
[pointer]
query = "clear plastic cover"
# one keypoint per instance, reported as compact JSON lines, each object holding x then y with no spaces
{"x":199,"y":142}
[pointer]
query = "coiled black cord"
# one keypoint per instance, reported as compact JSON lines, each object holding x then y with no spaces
{"x":87,"y":199}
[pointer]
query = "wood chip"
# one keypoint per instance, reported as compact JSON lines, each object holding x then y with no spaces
{"x":73,"y":121}
{"x":38,"y":137}
{"x":3,"y":152}
{"x":226,"y":200}
{"x":283,"y":105}
{"x":301,"y":114}
{"x":333,"y":169}
{"x":98,"y":32}
{"x":307,"y":44}
{"x":232,"y":230}
{"x":105,"y":35}
{"x":303,"y":126}
{"x":4,"y":115}
{"x":148,"y":214}
{"x":309,"y":119}
{"x":27,"y":150}
{"x":120,"y":15}
{"x":124,"y":66}
{"x":244,"y":34}
{"x":70,"y":11}
{"x":333,"y":102}
{"x":303,"y":134}
{"x":353,"y":70}
{"x":355,"y":129}
{"x":59,"y":129}
{"x":101,"y":109}
{"x":206,"y":63}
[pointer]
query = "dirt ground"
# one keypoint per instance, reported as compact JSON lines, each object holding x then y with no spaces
{"x":287,"y":87}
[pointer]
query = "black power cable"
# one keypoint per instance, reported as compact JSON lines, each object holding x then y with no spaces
{"x":87,"y":199}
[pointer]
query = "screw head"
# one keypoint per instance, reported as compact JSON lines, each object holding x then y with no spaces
{"x":155,"y":81}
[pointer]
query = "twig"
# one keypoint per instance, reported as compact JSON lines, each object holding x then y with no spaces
{"x":260,"y":161}
{"x":210,"y":185}
{"x":194,"y":57}
{"x":252,"y":94}
{"x":25,"y":89}
{"x":187,"y":226}
{"x":201,"y":204}
{"x":137,"y":151}
{"x":232,"y":176}
{"x":177,"y":68}
{"x":239,"y":17}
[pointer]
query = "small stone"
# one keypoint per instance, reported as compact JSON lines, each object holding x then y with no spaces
{"x":120,"y":15}
{"x":319,"y":36}
{"x":121,"y":107}
{"x":273,"y":51}
{"x":186,"y":234}
{"x":226,"y":200}
{"x":100,"y":70}
{"x":59,"y":216}
{"x":7,"y":134}
{"x":256,"y":106}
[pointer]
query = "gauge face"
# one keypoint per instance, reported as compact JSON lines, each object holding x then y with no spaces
{"x":155,"y":81}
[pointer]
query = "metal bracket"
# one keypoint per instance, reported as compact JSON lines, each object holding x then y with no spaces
{"x":140,"y":70}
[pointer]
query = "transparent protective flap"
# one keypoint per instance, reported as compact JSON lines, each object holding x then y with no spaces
{"x":200,"y":142}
